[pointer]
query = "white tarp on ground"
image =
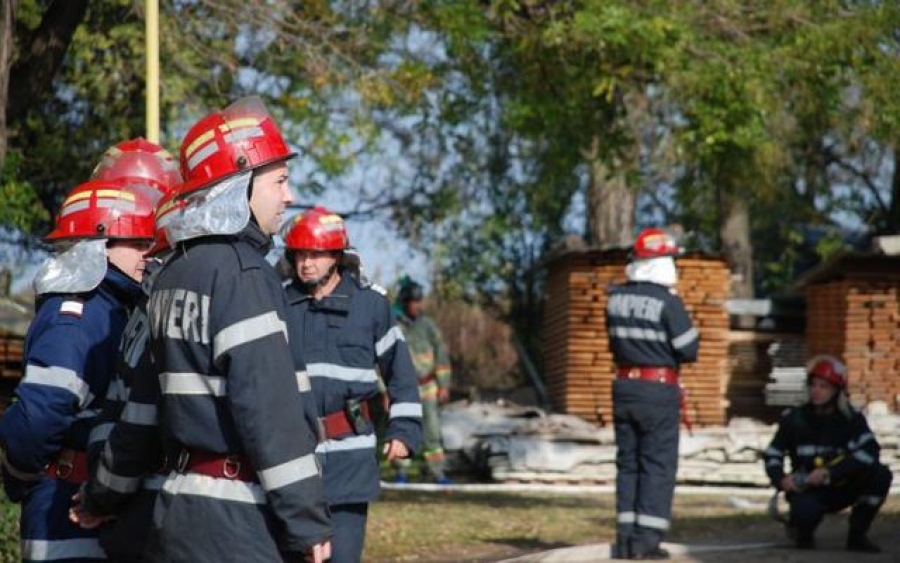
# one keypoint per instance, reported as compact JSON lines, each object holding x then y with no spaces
{"x":510,"y":443}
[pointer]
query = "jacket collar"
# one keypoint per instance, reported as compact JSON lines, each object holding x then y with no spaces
{"x":337,"y":301}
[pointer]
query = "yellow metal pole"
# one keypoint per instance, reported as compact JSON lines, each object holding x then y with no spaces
{"x":151,"y":35}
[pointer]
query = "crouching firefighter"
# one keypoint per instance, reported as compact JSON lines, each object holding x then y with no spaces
{"x":650,"y":335}
{"x":347,"y":336}
{"x":85,"y":292}
{"x":834,"y":460}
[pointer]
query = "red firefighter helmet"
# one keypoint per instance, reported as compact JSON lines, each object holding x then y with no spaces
{"x":654,"y":243}
{"x":167,"y":205}
{"x":317,"y":229}
{"x":139,"y":159}
{"x":828,"y":368}
{"x":114,"y":209}
{"x":241,"y":137}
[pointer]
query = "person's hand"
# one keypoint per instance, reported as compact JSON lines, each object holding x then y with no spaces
{"x":787,"y":484}
{"x":319,"y":553}
{"x":395,"y":449}
{"x":443,"y":395}
{"x":818,"y":477}
{"x":78,"y":515}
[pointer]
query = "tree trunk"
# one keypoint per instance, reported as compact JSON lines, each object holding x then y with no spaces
{"x":892,"y":224}
{"x":8,"y":10}
{"x":610,"y":203}
{"x":734,"y":231}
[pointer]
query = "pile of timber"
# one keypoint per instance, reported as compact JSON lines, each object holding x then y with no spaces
{"x":514,"y":444}
{"x":11,"y":350}
{"x":859,"y":320}
{"x":578,"y":365}
{"x":787,"y":380}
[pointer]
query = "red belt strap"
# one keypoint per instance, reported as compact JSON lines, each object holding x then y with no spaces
{"x":221,"y":466}
{"x":428,"y":378}
{"x":338,"y":424}
{"x":659,"y":374}
{"x":70,"y":466}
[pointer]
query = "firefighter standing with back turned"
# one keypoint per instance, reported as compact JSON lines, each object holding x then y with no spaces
{"x":834,"y":460}
{"x":344,"y":328}
{"x":650,"y":334}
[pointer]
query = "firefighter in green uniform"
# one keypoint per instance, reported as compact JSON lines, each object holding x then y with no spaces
{"x":430,"y":359}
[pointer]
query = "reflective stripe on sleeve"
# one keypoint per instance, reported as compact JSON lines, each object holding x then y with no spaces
{"x":637,"y":333}
{"x":864,"y":457}
{"x":389,"y":339}
{"x":774,"y":462}
{"x":654,"y":522}
{"x":686,"y":338}
{"x":288,"y":473}
{"x":210,"y":487}
{"x":248,"y":330}
{"x":870,"y":500}
{"x":406,"y":409}
{"x":100,"y":433}
{"x":186,"y":383}
{"x":49,"y":550}
{"x":61,"y":378}
{"x":862,"y":439}
{"x":140,"y":414}
{"x":341,"y":373}
{"x":117,"y":483}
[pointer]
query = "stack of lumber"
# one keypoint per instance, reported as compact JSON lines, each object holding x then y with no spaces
{"x":525,"y":445}
{"x":704,"y":286}
{"x":859,"y":320}
{"x":578,"y":364}
{"x":756,"y":359}
{"x":11,"y":350}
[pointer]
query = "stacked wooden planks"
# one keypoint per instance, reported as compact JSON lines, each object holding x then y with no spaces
{"x":858,"y":319}
{"x":577,"y":361}
{"x":11,"y":350}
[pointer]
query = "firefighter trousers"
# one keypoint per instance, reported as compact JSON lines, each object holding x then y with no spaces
{"x":865,"y":491}
{"x":646,"y":419}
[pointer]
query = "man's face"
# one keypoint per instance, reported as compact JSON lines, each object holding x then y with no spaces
{"x":820,"y":391}
{"x":312,"y":265}
{"x":414,"y":308}
{"x":271,"y":194}
{"x":128,"y":256}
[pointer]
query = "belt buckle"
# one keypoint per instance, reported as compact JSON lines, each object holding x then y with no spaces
{"x":231,"y":467}
{"x":634,"y":373}
{"x":65,"y":465}
{"x":184,"y":457}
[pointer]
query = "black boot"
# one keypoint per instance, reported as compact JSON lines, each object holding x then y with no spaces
{"x":862,"y":545}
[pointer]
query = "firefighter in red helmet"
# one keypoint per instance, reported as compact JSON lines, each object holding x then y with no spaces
{"x":347,"y":335}
{"x":243,"y":482}
{"x":85,"y":292}
{"x":834,"y":460}
{"x":650,"y":335}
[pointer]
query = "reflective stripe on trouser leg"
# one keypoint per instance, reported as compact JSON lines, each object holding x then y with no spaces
{"x":658,"y":455}
{"x":433,"y":446}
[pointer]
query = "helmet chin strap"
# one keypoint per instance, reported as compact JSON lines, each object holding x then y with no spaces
{"x":311,"y":286}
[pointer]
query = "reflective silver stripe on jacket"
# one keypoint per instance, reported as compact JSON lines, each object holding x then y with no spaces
{"x":61,"y":378}
{"x":187,"y":383}
{"x":140,"y":414}
{"x":49,"y":550}
{"x":248,"y":330}
{"x":290,"y":472}
{"x":686,"y":338}
{"x":388,"y":340}
{"x":637,"y":333}
{"x":406,"y":409}
{"x":211,"y":487}
{"x":346,"y":444}
{"x":341,"y":373}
